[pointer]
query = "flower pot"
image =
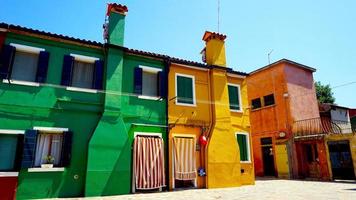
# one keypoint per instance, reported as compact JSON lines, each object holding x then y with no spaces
{"x":46,"y":165}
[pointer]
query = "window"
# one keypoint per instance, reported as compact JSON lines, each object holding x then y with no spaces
{"x":243,"y":142}
{"x":185,"y":91}
{"x":256,"y":103}
{"x":234,"y":97}
{"x":23,"y":63}
{"x":268,"y":100}
{"x":44,"y":145}
{"x":311,"y":152}
{"x":8,"y":152}
{"x":149,"y":82}
{"x":82,"y":72}
{"x":48,"y":144}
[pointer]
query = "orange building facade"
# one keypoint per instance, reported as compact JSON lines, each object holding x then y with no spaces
{"x":280,"y":94}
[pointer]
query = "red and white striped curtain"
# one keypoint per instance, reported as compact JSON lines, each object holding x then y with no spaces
{"x":184,"y":158}
{"x":148,"y":163}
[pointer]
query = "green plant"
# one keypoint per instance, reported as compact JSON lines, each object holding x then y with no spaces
{"x":48,"y":159}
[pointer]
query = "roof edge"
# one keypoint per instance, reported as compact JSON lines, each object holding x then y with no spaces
{"x":284,"y":60}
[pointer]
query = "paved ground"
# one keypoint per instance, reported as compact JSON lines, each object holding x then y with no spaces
{"x":264,"y":189}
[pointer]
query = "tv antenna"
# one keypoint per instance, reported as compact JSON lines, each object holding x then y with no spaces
{"x":269,"y":54}
{"x":218,"y":16}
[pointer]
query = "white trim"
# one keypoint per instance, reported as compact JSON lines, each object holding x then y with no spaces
{"x":16,"y":82}
{"x":186,"y":136}
{"x":50,"y":129}
{"x":15,"y":132}
{"x":191,"y":67}
{"x":239,"y":93}
{"x":148,"y":97}
{"x":176,"y":89}
{"x":248,"y":145}
{"x":81,"y":58}
{"x":3,"y":30}
{"x":150,"y":69}
{"x":76,"y":89}
{"x":147,"y":134}
{"x":9,"y":174}
{"x":39,"y":169}
{"x":27,"y":49}
{"x":236,"y":75}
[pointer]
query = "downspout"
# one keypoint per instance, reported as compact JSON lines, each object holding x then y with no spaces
{"x":211,"y":123}
{"x":167,"y":64}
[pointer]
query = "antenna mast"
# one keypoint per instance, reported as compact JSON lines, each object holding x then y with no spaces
{"x":218,"y":16}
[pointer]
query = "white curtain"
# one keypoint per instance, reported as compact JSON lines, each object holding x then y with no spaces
{"x":82,"y":74}
{"x":48,"y":145}
{"x":24,"y":67}
{"x":149,"y":84}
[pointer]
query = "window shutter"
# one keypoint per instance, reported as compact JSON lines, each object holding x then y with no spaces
{"x":29,"y":148}
{"x":234,"y":97}
{"x":241,"y":139}
{"x":42,"y":67}
{"x":67,"y":70}
{"x":66,"y":148}
{"x":6,"y":59}
{"x":138,"y":81}
{"x":162,"y":84}
{"x":98,"y":75}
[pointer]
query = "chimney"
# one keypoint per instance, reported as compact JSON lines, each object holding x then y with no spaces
{"x":214,"y":49}
{"x":114,"y":28}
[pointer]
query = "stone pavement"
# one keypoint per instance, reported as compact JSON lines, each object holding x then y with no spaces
{"x":264,"y":189}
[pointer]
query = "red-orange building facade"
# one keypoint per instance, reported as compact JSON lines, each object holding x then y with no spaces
{"x":279,"y":95}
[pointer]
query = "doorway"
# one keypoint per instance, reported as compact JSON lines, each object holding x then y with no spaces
{"x":268,"y":157}
{"x":341,"y":161}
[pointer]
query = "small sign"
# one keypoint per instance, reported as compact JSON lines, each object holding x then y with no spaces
{"x":201,"y":172}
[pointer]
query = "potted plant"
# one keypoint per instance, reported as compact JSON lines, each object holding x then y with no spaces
{"x":48,"y":162}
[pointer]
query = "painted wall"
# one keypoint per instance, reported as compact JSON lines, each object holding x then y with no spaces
{"x":241,"y":123}
{"x":23,"y":107}
{"x":110,"y":154}
{"x":190,"y":120}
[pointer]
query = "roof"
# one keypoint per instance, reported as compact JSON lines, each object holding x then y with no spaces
{"x":132,"y":51}
{"x":326,"y":107}
{"x":284,"y":61}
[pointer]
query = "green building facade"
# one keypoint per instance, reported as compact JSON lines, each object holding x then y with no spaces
{"x":80,"y":100}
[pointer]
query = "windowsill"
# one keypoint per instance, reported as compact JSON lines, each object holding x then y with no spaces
{"x":39,"y":169}
{"x":246,"y":162}
{"x":149,"y":97}
{"x":236,"y":111}
{"x":9,"y":174}
{"x":269,"y":106}
{"x":76,"y":89}
{"x":16,"y":82}
{"x":186,"y":104}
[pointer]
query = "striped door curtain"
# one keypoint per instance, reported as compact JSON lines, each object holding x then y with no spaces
{"x":184,"y":158}
{"x":148,"y":163}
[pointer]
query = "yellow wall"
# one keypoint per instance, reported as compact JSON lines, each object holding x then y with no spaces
{"x":241,"y":123}
{"x":189,"y":120}
{"x":215,"y":52}
{"x":338,"y":137}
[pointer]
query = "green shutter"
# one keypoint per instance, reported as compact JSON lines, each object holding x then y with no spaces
{"x":234,"y":98}
{"x":185,"y":90}
{"x":8,"y":147}
{"x":241,"y":139}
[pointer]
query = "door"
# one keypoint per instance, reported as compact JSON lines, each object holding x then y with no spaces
{"x":341,"y":161}
{"x":282,"y":161}
{"x":268,"y":157}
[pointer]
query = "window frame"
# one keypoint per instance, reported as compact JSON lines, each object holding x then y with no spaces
{"x":25,"y":49}
{"x":193,"y":89}
{"x":152,"y":70}
{"x":248,"y":146}
{"x":239,"y":93}
{"x":15,"y":172}
{"x":264,"y":100}
{"x":261,"y":106}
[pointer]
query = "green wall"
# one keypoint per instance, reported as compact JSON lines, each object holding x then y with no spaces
{"x":23,"y":107}
{"x":110,"y":149}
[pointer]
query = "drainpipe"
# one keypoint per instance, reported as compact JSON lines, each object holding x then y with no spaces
{"x":211,"y":123}
{"x":167,"y":64}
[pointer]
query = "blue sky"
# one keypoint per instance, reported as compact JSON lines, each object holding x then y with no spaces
{"x":319,"y":33}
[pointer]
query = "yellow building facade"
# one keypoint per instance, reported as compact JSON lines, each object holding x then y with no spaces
{"x":208,"y":112}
